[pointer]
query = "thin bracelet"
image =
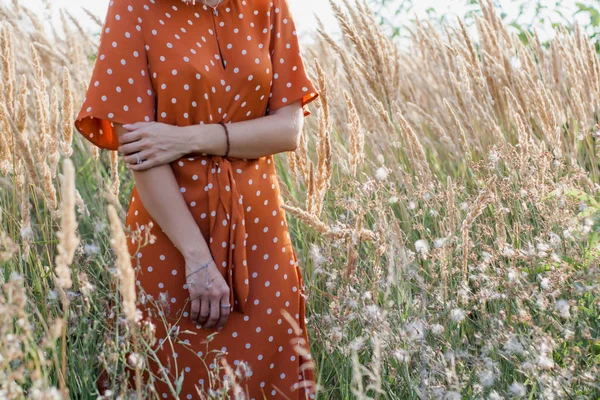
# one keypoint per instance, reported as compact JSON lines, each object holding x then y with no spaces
{"x":226,"y":134}
{"x":199,"y":269}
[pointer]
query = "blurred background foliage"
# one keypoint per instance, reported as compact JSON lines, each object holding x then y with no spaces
{"x":520,"y":15}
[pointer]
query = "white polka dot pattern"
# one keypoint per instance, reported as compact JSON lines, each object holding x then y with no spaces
{"x":120,"y":89}
{"x":181,"y":64}
{"x":290,"y":80}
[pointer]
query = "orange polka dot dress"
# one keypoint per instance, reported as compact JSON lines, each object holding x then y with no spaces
{"x":184,"y":64}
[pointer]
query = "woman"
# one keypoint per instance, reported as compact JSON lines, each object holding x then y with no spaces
{"x":198,"y":98}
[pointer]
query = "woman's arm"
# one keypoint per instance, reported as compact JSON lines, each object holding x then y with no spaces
{"x":160,"y":143}
{"x":255,"y":138}
{"x":166,"y":205}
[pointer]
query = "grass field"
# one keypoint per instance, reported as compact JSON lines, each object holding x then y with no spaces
{"x":443,"y":205}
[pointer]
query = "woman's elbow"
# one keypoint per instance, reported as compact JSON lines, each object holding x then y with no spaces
{"x":293,"y":141}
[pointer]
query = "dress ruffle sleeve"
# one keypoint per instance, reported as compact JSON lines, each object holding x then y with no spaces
{"x":120,"y":89}
{"x":290,"y":80}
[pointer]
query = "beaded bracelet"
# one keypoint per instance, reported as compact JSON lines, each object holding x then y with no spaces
{"x":226,"y":134}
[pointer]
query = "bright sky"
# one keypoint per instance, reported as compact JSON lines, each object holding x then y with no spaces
{"x":304,"y":11}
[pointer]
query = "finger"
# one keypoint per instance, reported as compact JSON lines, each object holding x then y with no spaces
{"x":214,"y":313}
{"x":195,"y":309}
{"x":225,"y":311}
{"x":137,"y":125}
{"x":146,"y":164}
{"x":204,"y":311}
{"x":132,"y":158}
{"x":128,"y":141}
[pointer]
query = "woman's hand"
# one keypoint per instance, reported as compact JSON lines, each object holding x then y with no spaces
{"x":208,"y":292}
{"x":156,"y":143}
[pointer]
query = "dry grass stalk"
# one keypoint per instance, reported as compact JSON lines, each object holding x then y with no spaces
{"x":353,"y":244}
{"x":22,"y":144}
{"x":6,"y":149}
{"x":68,"y":241}
{"x":8,"y":247}
{"x":419,"y":158}
{"x":115,"y":182}
{"x":356,"y":136}
{"x":22,"y":112}
{"x":26,"y":232}
{"x":67,"y":115}
{"x":53,"y":155}
{"x":325,"y":230}
{"x":125,"y":270}
{"x":324,"y":168}
{"x":126,"y":275}
{"x":8,"y":67}
{"x":484,"y":199}
{"x":67,"y":236}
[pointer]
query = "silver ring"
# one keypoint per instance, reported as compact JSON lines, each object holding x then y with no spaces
{"x":138,"y":158}
{"x":225,"y":305}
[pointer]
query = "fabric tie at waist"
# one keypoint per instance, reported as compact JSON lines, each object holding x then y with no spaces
{"x":227,"y":229}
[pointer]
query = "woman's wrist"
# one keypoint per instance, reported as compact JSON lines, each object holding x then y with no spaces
{"x":205,"y":139}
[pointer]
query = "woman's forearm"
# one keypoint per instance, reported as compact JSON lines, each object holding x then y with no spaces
{"x":166,"y":205}
{"x":250,"y":139}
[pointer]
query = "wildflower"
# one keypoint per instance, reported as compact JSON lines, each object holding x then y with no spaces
{"x":544,"y":362}
{"x":515,"y":62}
{"x":380,"y":158}
{"x":568,"y":334}
{"x":457,"y":315}
{"x":486,"y":256}
{"x":452,"y":395}
{"x":336,"y":335}
{"x":27,"y":233}
{"x":588,"y":223}
{"x":437,"y":329}
{"x":15,"y":276}
{"x":494,"y":396}
{"x":517,"y":390}
{"x":486,"y":377}
{"x":372,"y":311}
{"x":567,"y":234}
{"x":91,"y":248}
{"x":357,"y":344}
{"x":493,"y":157}
{"x":415,"y":330}
{"x":46,"y":394}
{"x":135,"y":361}
{"x":100,"y":226}
{"x":411,"y":205}
{"x":562,"y":306}
{"x":543,"y":247}
{"x":381,"y":173}
{"x":402,"y":355}
{"x":315,"y":255}
{"x":508,"y":251}
{"x":52,"y":295}
{"x":513,"y":346}
{"x":422,"y":247}
{"x":393,"y":200}
{"x":440,"y":242}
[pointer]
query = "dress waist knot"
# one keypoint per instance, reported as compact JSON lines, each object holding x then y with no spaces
{"x":227,"y":229}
